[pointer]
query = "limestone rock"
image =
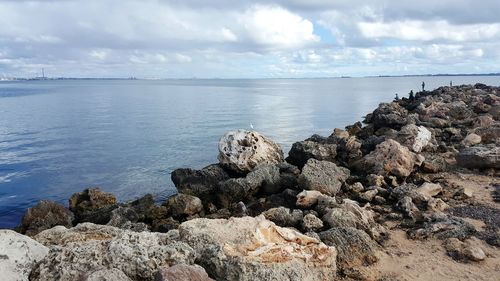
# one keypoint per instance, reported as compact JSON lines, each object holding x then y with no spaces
{"x":243,"y":150}
{"x":471,"y":139}
{"x":428,"y":190}
{"x":182,"y":272}
{"x":304,"y":150}
{"x":200,"y":183}
{"x":414,"y":137}
{"x":390,"y":115}
{"x":45,"y":215}
{"x":256,"y":249}
{"x":282,"y":216}
{"x":182,"y":205}
{"x":92,"y":205}
{"x":390,"y":158}
{"x":308,"y":198}
{"x":480,"y":157}
{"x":323,"y":176}
{"x":108,"y":275}
{"x":311,"y":223}
{"x":468,"y":250}
{"x":88,"y":247}
{"x":18,"y":254}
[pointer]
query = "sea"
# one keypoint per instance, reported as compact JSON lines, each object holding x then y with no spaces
{"x":58,"y":137}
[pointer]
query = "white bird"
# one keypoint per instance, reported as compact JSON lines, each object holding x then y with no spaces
{"x":251,"y":126}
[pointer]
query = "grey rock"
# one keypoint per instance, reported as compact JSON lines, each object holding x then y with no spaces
{"x":323,"y":176}
{"x":112,"y":274}
{"x":183,"y":205}
{"x":311,"y":222}
{"x":390,"y":115}
{"x":200,"y":183}
{"x":242,"y":151}
{"x":282,"y":216}
{"x":18,"y":255}
{"x":480,"y":157}
{"x":304,"y":150}
{"x":391,"y":158}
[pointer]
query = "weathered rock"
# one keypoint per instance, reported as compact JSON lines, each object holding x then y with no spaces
{"x":427,"y":190}
{"x":242,"y":151}
{"x":490,"y":134}
{"x":308,"y":198}
{"x":304,"y":150}
{"x":45,"y":215}
{"x":323,"y":176}
{"x":107,"y":275}
{"x":264,"y":177}
{"x":391,"y":158}
{"x":182,"y":272}
{"x":88,"y":247}
{"x":408,"y":208}
{"x":464,"y":250}
{"x":256,"y":249}
{"x":18,"y":254}
{"x":436,"y":205}
{"x":442,"y":226}
{"x":368,"y":196}
{"x":92,"y":205}
{"x":471,"y":139}
{"x":311,"y":223}
{"x":355,"y":248}
{"x":414,"y":137}
{"x":182,"y":205}
{"x":390,"y":115}
{"x":480,"y":157}
{"x":200,"y":183}
{"x":282,"y":216}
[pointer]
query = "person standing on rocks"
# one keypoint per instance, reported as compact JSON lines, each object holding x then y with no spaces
{"x":411,"y":96}
{"x":451,"y":83}
{"x":396,"y":97}
{"x":423,"y":86}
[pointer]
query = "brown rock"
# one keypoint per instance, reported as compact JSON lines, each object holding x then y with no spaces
{"x":182,"y":272}
{"x":45,"y":215}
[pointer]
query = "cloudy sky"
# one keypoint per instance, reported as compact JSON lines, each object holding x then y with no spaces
{"x":248,"y":39}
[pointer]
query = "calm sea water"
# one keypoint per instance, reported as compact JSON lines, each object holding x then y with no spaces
{"x":59,"y":137}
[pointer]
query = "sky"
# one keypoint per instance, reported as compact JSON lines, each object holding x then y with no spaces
{"x":247,"y":39}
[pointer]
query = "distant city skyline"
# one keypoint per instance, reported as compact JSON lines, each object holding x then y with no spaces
{"x":247,"y":39}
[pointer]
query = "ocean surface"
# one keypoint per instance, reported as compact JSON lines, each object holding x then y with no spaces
{"x":126,"y":136}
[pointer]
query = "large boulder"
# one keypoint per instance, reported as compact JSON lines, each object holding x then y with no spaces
{"x":250,"y":248}
{"x":480,"y":157}
{"x":390,"y":115}
{"x":414,"y":137}
{"x":92,"y":205}
{"x":241,"y":151}
{"x":18,"y":255}
{"x":45,"y":215}
{"x":391,"y":158}
{"x":304,"y":150}
{"x":323,"y":176}
{"x":182,"y":205}
{"x":200,"y":183}
{"x":85,"y":248}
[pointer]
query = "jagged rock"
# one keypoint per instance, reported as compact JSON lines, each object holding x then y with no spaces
{"x":442,"y":226}
{"x":480,"y":157}
{"x":92,"y":205}
{"x":282,"y":216}
{"x":428,"y":190}
{"x":375,"y":180}
{"x":308,"y":198}
{"x":391,"y":158}
{"x":325,"y":203}
{"x":323,"y":176}
{"x":368,"y":196}
{"x":88,"y":247}
{"x":182,"y":272}
{"x":45,"y":215}
{"x":256,"y":249}
{"x":390,"y":115}
{"x":471,"y":139}
{"x":490,"y":134}
{"x":434,"y":164}
{"x":436,"y":205}
{"x":464,"y":250}
{"x":112,"y":274}
{"x":264,"y":177}
{"x":357,"y":187}
{"x":242,"y":151}
{"x":355,"y":248}
{"x":200,"y":183}
{"x":182,"y":205}
{"x":311,"y":222}
{"x":483,"y":121}
{"x":18,"y":255}
{"x":414,"y":137}
{"x":164,"y":225}
{"x":134,"y":215}
{"x":304,"y":150}
{"x":408,"y":208}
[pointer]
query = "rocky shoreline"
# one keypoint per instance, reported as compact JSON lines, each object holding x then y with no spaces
{"x":420,"y":172}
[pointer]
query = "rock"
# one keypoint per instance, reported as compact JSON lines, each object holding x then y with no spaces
{"x":183,"y":206}
{"x":390,"y":158}
{"x":464,"y":250}
{"x":323,"y":176}
{"x":483,"y":121}
{"x":45,"y":215}
{"x":480,"y":157}
{"x":18,"y":255}
{"x":390,"y":115}
{"x":325,"y":203}
{"x":414,"y":137}
{"x":434,"y":164}
{"x":308,"y":198}
{"x":311,"y":223}
{"x":256,"y":249}
{"x":490,"y":134}
{"x":282,"y":216}
{"x":407,"y":207}
{"x":263,"y":178}
{"x":88,"y":247}
{"x":355,"y":248}
{"x":92,"y":205}
{"x":304,"y":150}
{"x":368,"y":196}
{"x":428,"y":190}
{"x":357,"y":187}
{"x":338,"y":217}
{"x":442,"y":226}
{"x":471,"y":139}
{"x":182,"y":272}
{"x":375,"y":180}
{"x":200,"y":183}
{"x":436,"y":205}
{"x":107,"y":275}
{"x":242,"y":151}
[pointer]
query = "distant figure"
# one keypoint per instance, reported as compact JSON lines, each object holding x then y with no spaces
{"x":451,"y":84}
{"x":412,"y":97}
{"x":423,"y":86}
{"x":251,"y":126}
{"x":396,"y":97}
